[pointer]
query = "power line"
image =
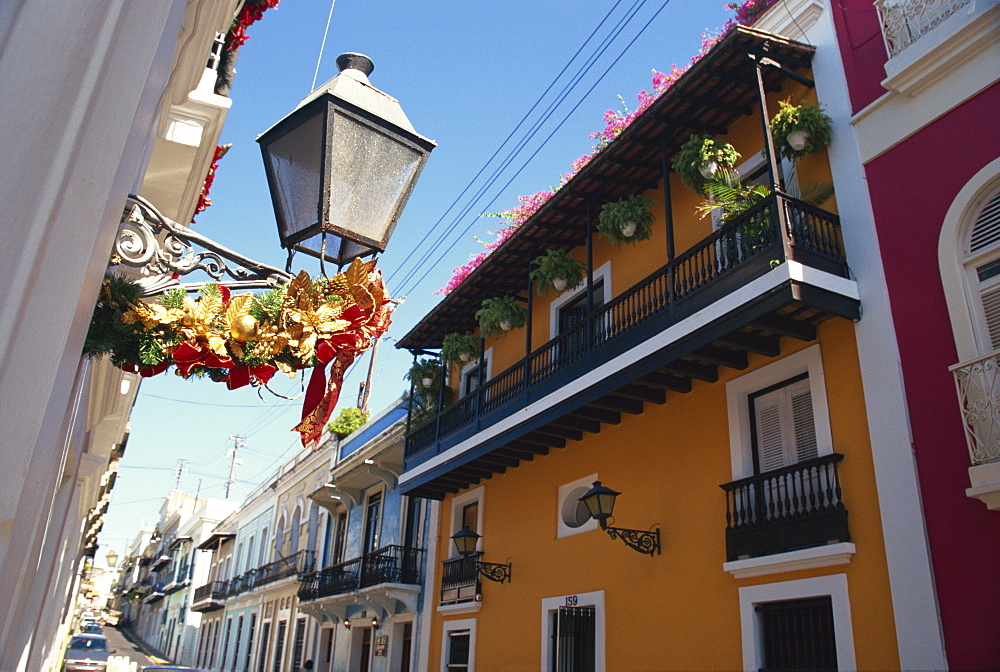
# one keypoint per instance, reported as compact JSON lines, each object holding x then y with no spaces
{"x":535,"y":153}
{"x":521,"y":143}
{"x":496,"y":152}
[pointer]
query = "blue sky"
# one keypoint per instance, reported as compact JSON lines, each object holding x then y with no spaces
{"x":465,"y":73}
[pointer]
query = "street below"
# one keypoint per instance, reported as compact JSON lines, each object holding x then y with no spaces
{"x":121,"y":646}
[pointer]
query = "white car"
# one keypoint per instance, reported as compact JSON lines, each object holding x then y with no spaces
{"x":86,"y":653}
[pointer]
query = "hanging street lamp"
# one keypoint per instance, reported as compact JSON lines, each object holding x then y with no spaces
{"x":466,"y":541}
{"x":341,"y":167}
{"x":600,"y":502}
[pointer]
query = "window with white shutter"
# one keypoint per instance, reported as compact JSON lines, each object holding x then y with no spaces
{"x":783,"y":428}
{"x":982,"y":259}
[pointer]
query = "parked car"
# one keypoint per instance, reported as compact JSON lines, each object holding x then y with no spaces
{"x":91,"y":628}
{"x":86,"y":653}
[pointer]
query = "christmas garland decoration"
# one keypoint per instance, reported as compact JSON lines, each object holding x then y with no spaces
{"x":245,"y":339}
{"x":203,"y":200}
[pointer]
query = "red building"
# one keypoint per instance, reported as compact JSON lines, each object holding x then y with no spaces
{"x":924,"y":101}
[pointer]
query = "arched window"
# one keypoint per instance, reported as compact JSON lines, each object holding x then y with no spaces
{"x":982,"y":266}
{"x":969,"y":262}
{"x":294,"y":531}
{"x":279,"y":538}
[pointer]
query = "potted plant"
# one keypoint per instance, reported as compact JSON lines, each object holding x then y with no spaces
{"x":348,"y":421}
{"x":800,"y":129}
{"x":425,"y":372}
{"x":457,"y":347}
{"x":556,"y":268}
{"x":626,"y":221}
{"x":700,"y":157}
{"x":500,"y":314}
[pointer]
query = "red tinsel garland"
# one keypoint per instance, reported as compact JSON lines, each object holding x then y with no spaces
{"x":251,"y":12}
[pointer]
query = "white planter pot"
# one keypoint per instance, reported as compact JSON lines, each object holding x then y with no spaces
{"x":708,"y":169}
{"x":797,"y":140}
{"x":464,"y":357}
{"x":560,"y":283}
{"x":629,"y":229}
{"x":426,"y":382}
{"x":506,"y":325}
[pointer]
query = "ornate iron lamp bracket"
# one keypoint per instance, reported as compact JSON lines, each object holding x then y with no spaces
{"x":160,"y":248}
{"x":494,"y":571}
{"x":644,"y":541}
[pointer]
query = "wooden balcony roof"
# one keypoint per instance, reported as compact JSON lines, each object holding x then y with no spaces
{"x":708,"y":98}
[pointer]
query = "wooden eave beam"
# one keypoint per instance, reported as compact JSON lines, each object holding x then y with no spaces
{"x":786,"y":326}
{"x":540,"y":439}
{"x":600,"y":414}
{"x":471,"y":472}
{"x":722,"y":357}
{"x":494,"y":460}
{"x":666,"y":381}
{"x":683,"y":367}
{"x":614,"y":402}
{"x":761,"y":345}
{"x":643,"y":393}
{"x":528,"y":446}
{"x":552,"y":429}
{"x":573,"y":422}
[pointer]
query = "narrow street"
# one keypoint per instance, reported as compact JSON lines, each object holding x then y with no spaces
{"x":121,"y":646}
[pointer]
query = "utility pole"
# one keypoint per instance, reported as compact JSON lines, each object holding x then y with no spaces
{"x":366,"y":387}
{"x":238,"y":442}
{"x":178,"y":472}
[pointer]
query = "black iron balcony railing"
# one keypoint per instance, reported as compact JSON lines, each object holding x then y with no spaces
{"x":389,"y":564}
{"x":295,"y":564}
{"x":739,"y":251}
{"x":210,"y":596}
{"x":155,"y":594}
{"x":460,"y":579}
{"x":786,"y":509}
{"x":216,"y":590}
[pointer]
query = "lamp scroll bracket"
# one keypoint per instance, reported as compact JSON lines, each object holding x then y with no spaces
{"x":160,"y":249}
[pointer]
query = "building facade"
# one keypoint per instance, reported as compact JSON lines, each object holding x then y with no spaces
{"x":728,"y":376}
{"x":323,"y":563}
{"x":922,"y":79}
{"x":79,"y":130}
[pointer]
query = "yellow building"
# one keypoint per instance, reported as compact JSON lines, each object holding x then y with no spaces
{"x":710,"y":374}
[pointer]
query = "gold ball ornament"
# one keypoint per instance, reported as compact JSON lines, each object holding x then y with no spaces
{"x":188,"y":320}
{"x":244,"y":328}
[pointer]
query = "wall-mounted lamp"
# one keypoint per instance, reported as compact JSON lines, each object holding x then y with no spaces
{"x":465,"y":541}
{"x":347,"y":623}
{"x":600,"y":502}
{"x":375,"y":622}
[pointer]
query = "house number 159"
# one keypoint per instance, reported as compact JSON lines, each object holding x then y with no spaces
{"x":571,"y":600}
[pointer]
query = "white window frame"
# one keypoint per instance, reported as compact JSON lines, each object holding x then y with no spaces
{"x":601,"y":273}
{"x":487,"y":375}
{"x":569,"y":492}
{"x":381,"y":490}
{"x":960,"y":290}
{"x":738,"y":391}
{"x":449,"y":627}
{"x":457,"y":504}
{"x":833,"y":586}
{"x":550,"y":605}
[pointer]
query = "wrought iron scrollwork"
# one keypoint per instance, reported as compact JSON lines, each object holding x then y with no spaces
{"x":494,"y":571}
{"x":160,"y":248}
{"x":644,"y":541}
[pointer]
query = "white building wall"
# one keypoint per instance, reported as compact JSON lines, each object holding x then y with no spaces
{"x":78,"y":117}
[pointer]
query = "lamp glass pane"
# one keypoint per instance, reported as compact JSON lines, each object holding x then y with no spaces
{"x":607,"y":503}
{"x":370,"y":174}
{"x":295,"y":160}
